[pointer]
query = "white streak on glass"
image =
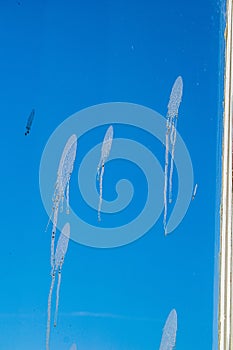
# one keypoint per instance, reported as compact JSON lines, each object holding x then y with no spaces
{"x":62,"y":185}
{"x":194,"y":191}
{"x":49,"y":311}
{"x":105,"y":150}
{"x":172,"y":115}
{"x":62,"y":246}
{"x":61,"y":249}
{"x":57,"y":299}
{"x":168,"y":340}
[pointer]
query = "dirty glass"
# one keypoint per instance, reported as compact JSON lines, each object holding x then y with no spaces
{"x":111,"y":124}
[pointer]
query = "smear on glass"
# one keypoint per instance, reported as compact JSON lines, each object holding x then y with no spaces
{"x":61,"y":249}
{"x":105,"y":150}
{"x":171,"y":124}
{"x":62,"y":186}
{"x":194,"y":191}
{"x":168,"y":340}
{"x":29,"y":122}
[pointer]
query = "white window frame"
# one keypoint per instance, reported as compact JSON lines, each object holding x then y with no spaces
{"x":225,"y":317}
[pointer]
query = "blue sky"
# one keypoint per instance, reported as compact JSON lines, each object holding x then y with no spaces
{"x":60,"y":57}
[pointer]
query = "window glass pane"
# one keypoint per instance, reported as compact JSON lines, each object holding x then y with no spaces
{"x":140,"y":86}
